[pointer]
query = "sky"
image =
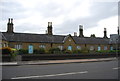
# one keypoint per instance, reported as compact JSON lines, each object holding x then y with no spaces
{"x":32,"y":16}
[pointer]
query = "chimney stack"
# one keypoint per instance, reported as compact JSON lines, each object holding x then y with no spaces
{"x":105,"y":33}
{"x":75,"y":33}
{"x":50,"y":28}
{"x":81,"y":31}
{"x":10,"y":25}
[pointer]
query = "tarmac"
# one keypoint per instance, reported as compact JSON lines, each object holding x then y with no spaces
{"x":46,"y":62}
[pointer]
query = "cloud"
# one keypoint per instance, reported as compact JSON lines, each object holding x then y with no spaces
{"x":33,"y":15}
{"x":109,"y":23}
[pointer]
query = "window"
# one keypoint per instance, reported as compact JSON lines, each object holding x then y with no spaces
{"x":99,"y":48}
{"x":42,"y":46}
{"x":111,"y":48}
{"x":70,"y":48}
{"x":18,"y":46}
{"x":60,"y":47}
{"x":105,"y":47}
{"x":79,"y":47}
{"x":4,"y":45}
{"x":91,"y":48}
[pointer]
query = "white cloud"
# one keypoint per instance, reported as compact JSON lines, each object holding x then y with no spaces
{"x":33,"y":15}
{"x":80,"y":11}
{"x":110,"y":23}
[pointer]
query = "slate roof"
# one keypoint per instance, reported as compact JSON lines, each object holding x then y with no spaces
{"x":114,"y":39}
{"x":44,"y":38}
{"x":91,"y":40}
{"x":41,"y":38}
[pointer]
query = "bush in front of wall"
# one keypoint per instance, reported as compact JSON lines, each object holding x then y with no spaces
{"x":68,"y":52}
{"x":54,"y":50}
{"x":22,"y":51}
{"x":85,"y":50}
{"x":6,"y":50}
{"x":39,"y":51}
{"x":77,"y":51}
{"x":9,"y":51}
{"x":35,"y":51}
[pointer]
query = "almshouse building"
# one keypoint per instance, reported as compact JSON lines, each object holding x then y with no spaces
{"x":47,"y":41}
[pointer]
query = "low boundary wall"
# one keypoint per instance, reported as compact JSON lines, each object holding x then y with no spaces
{"x":31,"y":57}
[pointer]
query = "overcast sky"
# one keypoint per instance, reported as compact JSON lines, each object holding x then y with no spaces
{"x":32,"y":16}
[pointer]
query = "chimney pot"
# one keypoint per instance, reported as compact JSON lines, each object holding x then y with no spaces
{"x":49,"y":24}
{"x":104,"y":29}
{"x":81,"y":31}
{"x":75,"y":33}
{"x":81,"y":26}
{"x":11,"y":20}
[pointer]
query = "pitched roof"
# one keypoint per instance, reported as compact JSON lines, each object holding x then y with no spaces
{"x":114,"y":39}
{"x":91,"y":40}
{"x":44,"y":38}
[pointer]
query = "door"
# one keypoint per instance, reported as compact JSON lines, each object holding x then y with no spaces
{"x":99,"y":48}
{"x":30,"y":49}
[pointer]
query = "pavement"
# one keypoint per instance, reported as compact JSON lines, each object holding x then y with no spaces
{"x":45,"y":62}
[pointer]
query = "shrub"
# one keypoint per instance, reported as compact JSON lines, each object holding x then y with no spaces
{"x":14,"y":53}
{"x":103,"y":51}
{"x":68,"y":52}
{"x":22,"y":51}
{"x":77,"y":51}
{"x":39,"y":51}
{"x":35,"y":51}
{"x":6,"y":50}
{"x":85,"y":50}
{"x":54,"y":50}
{"x":9,"y":51}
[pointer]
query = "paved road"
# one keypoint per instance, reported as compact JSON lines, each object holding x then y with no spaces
{"x":90,"y":70}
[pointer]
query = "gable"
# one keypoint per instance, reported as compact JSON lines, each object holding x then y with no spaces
{"x":68,"y":39}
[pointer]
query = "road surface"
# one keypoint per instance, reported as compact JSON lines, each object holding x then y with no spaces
{"x":90,"y":70}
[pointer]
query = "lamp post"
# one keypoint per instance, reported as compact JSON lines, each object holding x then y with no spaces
{"x":117,"y":48}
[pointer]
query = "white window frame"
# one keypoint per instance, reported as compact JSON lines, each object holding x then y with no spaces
{"x":18,"y":46}
{"x":60,"y":47}
{"x":42,"y":46}
{"x":91,"y":48}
